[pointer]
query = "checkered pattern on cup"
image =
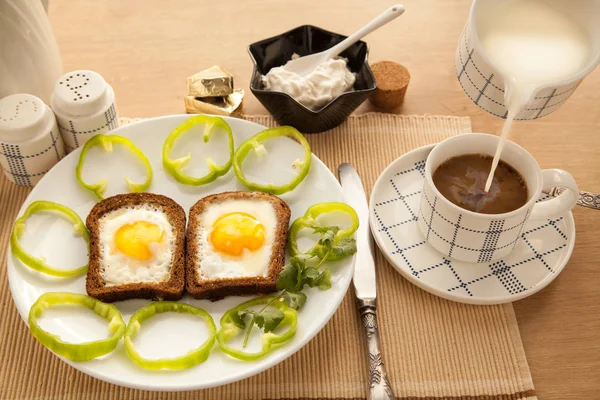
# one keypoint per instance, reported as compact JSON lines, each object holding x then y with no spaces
{"x":483,"y":83}
{"x":456,"y":235}
{"x":85,"y":106}
{"x":30,"y":143}
{"x":474,"y":237}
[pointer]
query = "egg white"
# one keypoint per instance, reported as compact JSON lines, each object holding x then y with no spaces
{"x":118,"y":268}
{"x":215,"y":265}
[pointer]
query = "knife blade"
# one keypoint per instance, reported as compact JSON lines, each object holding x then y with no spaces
{"x":364,"y":266}
{"x":365,"y":283}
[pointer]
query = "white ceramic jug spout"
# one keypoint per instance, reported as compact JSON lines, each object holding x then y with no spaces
{"x":483,"y":77}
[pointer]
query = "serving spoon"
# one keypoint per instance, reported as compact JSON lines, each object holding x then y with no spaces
{"x":305,"y":65}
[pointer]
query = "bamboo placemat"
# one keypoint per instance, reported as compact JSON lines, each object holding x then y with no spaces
{"x":434,"y":349}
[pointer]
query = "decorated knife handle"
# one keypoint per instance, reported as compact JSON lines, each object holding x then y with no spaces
{"x":379,"y":388}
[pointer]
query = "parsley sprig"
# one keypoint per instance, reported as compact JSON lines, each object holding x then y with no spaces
{"x":303,"y":269}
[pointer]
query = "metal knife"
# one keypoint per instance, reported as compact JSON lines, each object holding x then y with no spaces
{"x":364,"y":282}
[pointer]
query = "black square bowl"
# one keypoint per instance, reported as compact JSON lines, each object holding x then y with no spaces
{"x":304,"y":40}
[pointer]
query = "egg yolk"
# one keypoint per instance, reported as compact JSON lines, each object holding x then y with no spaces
{"x":133,"y":239}
{"x":234,"y":232}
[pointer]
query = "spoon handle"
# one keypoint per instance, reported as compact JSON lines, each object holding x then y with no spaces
{"x":382,"y":19}
{"x":586,"y":199}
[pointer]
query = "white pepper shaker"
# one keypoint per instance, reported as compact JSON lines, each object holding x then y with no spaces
{"x":30,"y":144}
{"x":84,"y":105}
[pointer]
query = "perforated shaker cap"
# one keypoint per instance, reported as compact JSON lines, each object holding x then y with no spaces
{"x":80,"y":93}
{"x":22,"y":116}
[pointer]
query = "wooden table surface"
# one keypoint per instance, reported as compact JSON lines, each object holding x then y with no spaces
{"x":146,"y":49}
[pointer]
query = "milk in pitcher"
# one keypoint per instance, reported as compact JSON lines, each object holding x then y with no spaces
{"x":532,"y":45}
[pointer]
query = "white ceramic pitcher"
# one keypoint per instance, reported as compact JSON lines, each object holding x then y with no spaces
{"x":484,"y":83}
{"x":29,"y":57}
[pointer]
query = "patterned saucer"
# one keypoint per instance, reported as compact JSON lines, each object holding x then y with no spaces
{"x":543,"y":251}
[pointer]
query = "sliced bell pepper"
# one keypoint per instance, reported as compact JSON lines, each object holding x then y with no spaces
{"x":309,"y":221}
{"x":77,"y":351}
{"x":106,"y":142}
{"x":270,"y":341}
{"x":191,"y":358}
{"x":174,"y":167}
{"x":254,"y":143}
{"x":39,"y":264}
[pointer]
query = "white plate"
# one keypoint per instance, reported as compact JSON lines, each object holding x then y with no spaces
{"x":45,"y":236}
{"x":540,"y":256}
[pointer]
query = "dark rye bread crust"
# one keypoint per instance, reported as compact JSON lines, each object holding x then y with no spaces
{"x":169,"y":290}
{"x":216,"y":289}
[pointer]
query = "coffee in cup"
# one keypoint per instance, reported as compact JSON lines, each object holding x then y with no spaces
{"x":462,"y":179}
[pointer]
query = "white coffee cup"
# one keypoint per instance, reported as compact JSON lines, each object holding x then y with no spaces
{"x":475,"y":237}
{"x":484,"y":83}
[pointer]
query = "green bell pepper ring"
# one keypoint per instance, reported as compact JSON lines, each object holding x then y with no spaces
{"x":191,"y":358}
{"x":39,"y":264}
{"x":77,"y":351}
{"x":270,"y":340}
{"x":174,"y":167}
{"x":106,"y":142}
{"x":309,"y":221}
{"x":254,"y":143}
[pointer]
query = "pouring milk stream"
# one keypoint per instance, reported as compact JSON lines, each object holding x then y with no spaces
{"x":532,"y":44}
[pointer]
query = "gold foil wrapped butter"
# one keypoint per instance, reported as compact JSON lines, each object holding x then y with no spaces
{"x":211,"y":92}
{"x":226,"y":105}
{"x":212,"y":82}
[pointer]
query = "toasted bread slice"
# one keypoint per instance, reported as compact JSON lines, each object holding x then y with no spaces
{"x":123,"y":272}
{"x":201,"y":282}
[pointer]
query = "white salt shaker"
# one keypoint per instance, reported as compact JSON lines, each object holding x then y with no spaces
{"x":30,"y":143}
{"x":84,"y":105}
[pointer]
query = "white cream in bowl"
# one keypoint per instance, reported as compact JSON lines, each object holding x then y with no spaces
{"x":326,"y":82}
